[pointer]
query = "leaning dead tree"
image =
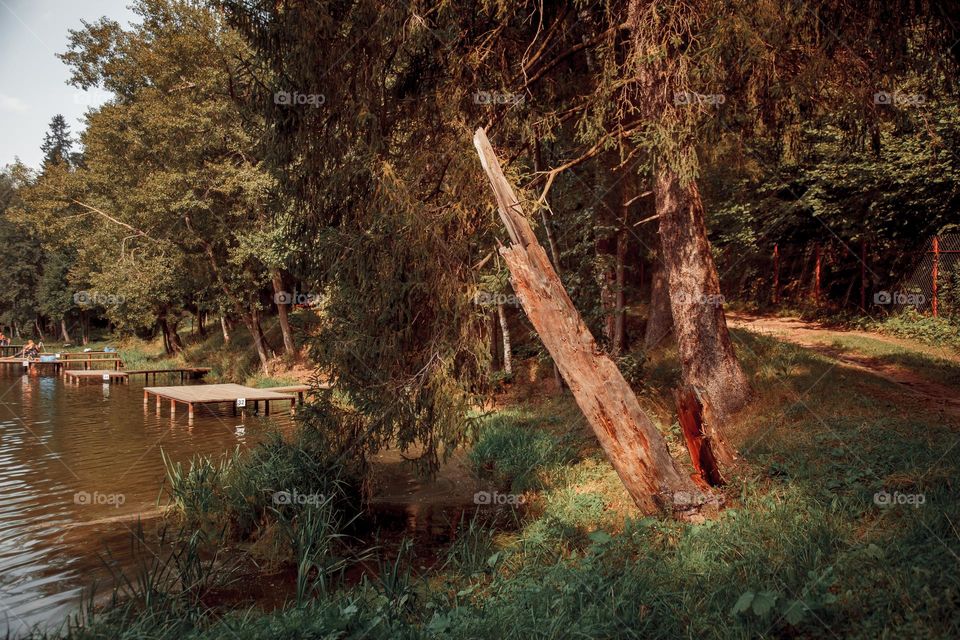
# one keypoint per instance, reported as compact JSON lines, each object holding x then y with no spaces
{"x":630,"y":440}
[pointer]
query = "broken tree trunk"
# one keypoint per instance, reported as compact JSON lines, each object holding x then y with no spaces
{"x":708,"y":450}
{"x":630,"y":440}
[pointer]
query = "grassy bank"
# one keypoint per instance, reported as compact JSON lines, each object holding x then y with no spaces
{"x":842,"y":516}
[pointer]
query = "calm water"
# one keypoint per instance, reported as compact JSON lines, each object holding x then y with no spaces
{"x":77,"y":463}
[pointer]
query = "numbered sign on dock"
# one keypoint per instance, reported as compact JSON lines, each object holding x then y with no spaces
{"x":26,"y":363}
{"x":106,"y":377}
{"x":241,"y":403}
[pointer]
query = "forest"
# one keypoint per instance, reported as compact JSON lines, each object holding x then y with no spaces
{"x":656,"y":302}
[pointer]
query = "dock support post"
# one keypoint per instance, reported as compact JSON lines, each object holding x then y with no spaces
{"x":266,"y":407}
{"x":173,"y":408}
{"x":190,"y":412}
{"x":145,"y":398}
{"x":158,"y":404}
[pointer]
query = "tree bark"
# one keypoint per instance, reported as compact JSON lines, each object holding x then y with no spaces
{"x":620,"y":301}
{"x":283,"y":306}
{"x":171,"y":340}
{"x":63,"y":330}
{"x":252,"y":321}
{"x":551,"y":241}
{"x":706,"y":352}
{"x":224,"y":327}
{"x":659,"y":317}
{"x":505,"y":332}
{"x":630,"y":440}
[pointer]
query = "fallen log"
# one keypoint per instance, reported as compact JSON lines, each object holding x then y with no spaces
{"x":630,"y":440}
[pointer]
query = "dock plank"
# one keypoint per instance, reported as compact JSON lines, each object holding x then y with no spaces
{"x":213,"y":393}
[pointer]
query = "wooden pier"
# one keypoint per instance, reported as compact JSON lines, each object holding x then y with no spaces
{"x":59,"y":364}
{"x":238,"y":396}
{"x":299,"y":389}
{"x":98,"y":375}
{"x":185,"y":373}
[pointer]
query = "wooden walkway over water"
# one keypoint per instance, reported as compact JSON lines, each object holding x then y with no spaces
{"x":238,"y":396}
{"x":185,"y":373}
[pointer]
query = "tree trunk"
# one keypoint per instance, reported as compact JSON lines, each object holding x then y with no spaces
{"x":706,"y":352}
{"x":202,"y":323}
{"x":225,"y":328}
{"x":64,"y":334}
{"x":490,"y":320}
{"x":505,"y":332}
{"x":620,"y":302}
{"x":659,"y":317}
{"x":171,"y":340}
{"x":630,"y":440}
{"x":281,"y":298}
{"x":551,"y":241}
{"x":252,"y":321}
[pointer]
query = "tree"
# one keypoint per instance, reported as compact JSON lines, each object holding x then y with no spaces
{"x":57,"y":143}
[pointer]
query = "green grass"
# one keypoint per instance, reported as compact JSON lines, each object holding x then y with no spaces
{"x":802,"y":546}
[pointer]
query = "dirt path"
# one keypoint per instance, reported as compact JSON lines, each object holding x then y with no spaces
{"x":814,"y":336}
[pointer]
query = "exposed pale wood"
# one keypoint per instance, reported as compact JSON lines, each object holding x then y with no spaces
{"x":630,"y":440}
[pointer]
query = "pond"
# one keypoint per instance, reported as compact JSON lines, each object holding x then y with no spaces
{"x":78,"y":463}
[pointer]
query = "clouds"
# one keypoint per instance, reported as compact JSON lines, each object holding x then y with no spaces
{"x":10,"y":104}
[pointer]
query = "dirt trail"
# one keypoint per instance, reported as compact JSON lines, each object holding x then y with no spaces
{"x":816,"y":337}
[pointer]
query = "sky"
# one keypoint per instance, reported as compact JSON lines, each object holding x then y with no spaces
{"x":33,"y":81}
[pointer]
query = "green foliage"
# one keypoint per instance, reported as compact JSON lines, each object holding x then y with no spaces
{"x":911,"y":324}
{"x":516,"y":455}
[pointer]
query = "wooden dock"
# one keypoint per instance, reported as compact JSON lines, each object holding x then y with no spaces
{"x":99,"y":375}
{"x":299,"y":389}
{"x":59,"y":365}
{"x":185,"y":373}
{"x":238,"y":396}
{"x":10,"y":349}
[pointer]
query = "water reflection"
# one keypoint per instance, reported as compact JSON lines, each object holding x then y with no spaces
{"x":77,"y":463}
